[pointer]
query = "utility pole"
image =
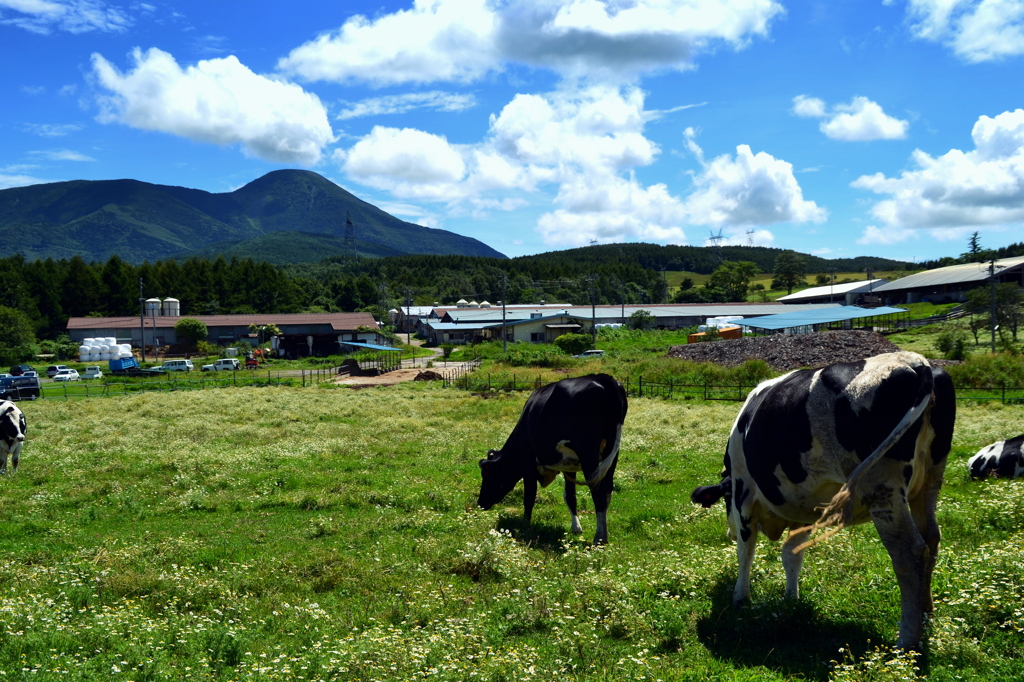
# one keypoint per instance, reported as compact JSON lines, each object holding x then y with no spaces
{"x":504,"y":329}
{"x":832,"y":283}
{"x":593,"y":314}
{"x":992,"y":310}
{"x":622,"y":285}
{"x":142,"y":321}
{"x":408,"y":316}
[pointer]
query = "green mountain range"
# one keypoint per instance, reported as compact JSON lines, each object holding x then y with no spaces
{"x":284,"y":216}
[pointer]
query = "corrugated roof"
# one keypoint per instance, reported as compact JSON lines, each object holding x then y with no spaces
{"x":611,"y":311}
{"x":835,"y":290}
{"x":371,"y":346}
{"x":803,"y":318}
{"x":952,"y":274}
{"x":336,"y":320}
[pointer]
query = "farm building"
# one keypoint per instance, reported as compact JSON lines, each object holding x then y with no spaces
{"x":848,"y":293}
{"x":951,"y":283}
{"x":301,"y":334}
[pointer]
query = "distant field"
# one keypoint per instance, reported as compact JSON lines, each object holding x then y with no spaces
{"x":675,"y":279}
{"x":288,"y":533}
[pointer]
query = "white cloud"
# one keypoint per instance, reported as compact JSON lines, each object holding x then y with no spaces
{"x":436,"y":40}
{"x":61,"y":155}
{"x":808,"y":106}
{"x":976,"y":30}
{"x":73,"y":16}
{"x":7,"y":181}
{"x":859,"y":121}
{"x":53,"y":129}
{"x":959,"y":189}
{"x":463,"y":40}
{"x":400,"y":104}
{"x":587,"y":143}
{"x":218,"y":101}
{"x":409,"y":163}
{"x":885,"y":236}
{"x":749,"y":189}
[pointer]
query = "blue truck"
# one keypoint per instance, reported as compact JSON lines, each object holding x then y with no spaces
{"x":128,"y":367}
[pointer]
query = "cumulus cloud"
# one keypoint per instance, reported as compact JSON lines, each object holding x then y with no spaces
{"x":984,"y":186}
{"x":976,"y":30}
{"x":407,"y":162}
{"x":859,"y":121}
{"x":401,"y":104}
{"x":749,"y":189}
{"x":218,"y":101}
{"x":73,"y":16}
{"x":463,"y":40}
{"x":586,"y":143}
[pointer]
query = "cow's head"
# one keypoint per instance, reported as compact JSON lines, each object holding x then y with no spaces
{"x":12,"y":433}
{"x":498,"y":476}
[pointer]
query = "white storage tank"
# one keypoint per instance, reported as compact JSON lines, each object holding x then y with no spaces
{"x":172,"y":307}
{"x":153,"y":306}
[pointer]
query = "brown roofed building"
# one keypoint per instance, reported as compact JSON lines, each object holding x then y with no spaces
{"x":326,"y":330}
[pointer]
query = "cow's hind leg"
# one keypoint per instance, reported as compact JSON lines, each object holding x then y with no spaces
{"x":922,"y":508}
{"x":910,"y":558}
{"x":602,"y":496}
{"x":793,"y":561}
{"x":570,"y":501}
{"x":529,"y":497}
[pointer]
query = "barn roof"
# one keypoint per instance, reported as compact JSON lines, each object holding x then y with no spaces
{"x":835,"y":289}
{"x":338,"y":321}
{"x":371,"y":346}
{"x":803,"y":318}
{"x":952,"y":274}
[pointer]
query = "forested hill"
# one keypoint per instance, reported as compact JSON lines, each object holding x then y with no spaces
{"x":700,"y":259}
{"x":139,"y":221}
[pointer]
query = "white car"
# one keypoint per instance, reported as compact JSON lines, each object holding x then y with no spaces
{"x":67,"y":375}
{"x":593,"y":353}
{"x":224,"y":364}
{"x":93,"y":372}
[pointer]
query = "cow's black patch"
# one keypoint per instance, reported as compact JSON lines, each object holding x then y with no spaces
{"x":847,"y":425}
{"x":1006,"y":465}
{"x":896,"y":395}
{"x":778,"y":432}
{"x":837,"y":377}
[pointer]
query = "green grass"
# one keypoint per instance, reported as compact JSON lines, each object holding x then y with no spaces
{"x":287,"y":533}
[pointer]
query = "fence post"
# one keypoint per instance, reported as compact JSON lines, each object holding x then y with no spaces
{"x":640,"y":385}
{"x":705,"y":389}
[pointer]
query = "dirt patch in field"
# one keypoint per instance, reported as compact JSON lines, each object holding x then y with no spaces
{"x":427,"y":375}
{"x":789,"y":351}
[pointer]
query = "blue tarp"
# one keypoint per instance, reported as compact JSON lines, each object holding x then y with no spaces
{"x":803,"y":318}
{"x":371,"y":346}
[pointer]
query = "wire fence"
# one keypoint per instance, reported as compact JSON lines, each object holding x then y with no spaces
{"x":670,"y":390}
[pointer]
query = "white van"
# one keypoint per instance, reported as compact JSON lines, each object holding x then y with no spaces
{"x":178,"y":365}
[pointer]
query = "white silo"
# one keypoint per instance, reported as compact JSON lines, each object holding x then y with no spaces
{"x":172,"y":307}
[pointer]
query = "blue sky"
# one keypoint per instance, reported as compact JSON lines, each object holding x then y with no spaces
{"x":841,"y":128}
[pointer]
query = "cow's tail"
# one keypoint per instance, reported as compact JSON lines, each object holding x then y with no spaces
{"x":707,"y":495}
{"x":606,"y":463}
{"x":839,"y":511}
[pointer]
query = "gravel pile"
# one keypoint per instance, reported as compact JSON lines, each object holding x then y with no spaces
{"x":789,"y":351}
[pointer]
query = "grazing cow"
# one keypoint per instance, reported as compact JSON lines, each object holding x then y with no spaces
{"x":569,"y":426}
{"x":12,"y":434}
{"x":863,"y":440}
{"x":1003,"y":459}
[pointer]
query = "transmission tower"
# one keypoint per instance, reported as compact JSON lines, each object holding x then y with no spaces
{"x":350,"y":236}
{"x":716,"y":243}
{"x":750,"y":237}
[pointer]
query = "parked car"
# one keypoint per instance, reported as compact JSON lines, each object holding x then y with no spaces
{"x":19,"y":388}
{"x":67,"y":375}
{"x":594,"y":353}
{"x":52,"y":370}
{"x":178,"y":365}
{"x":18,"y":370}
{"x":224,"y":364}
{"x":93,"y":372}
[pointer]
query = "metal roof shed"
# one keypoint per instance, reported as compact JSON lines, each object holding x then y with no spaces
{"x":815,"y":318}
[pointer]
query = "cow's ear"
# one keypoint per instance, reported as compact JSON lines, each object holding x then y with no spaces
{"x":486,"y":465}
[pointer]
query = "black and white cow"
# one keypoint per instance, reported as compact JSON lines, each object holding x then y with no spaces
{"x":12,"y":434}
{"x":569,"y":426}
{"x":864,"y":441}
{"x":1004,"y":459}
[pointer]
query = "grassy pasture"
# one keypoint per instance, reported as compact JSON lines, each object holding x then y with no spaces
{"x":287,"y":533}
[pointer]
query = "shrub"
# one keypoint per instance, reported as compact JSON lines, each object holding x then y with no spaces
{"x":573,"y":344}
{"x":952,"y":343}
